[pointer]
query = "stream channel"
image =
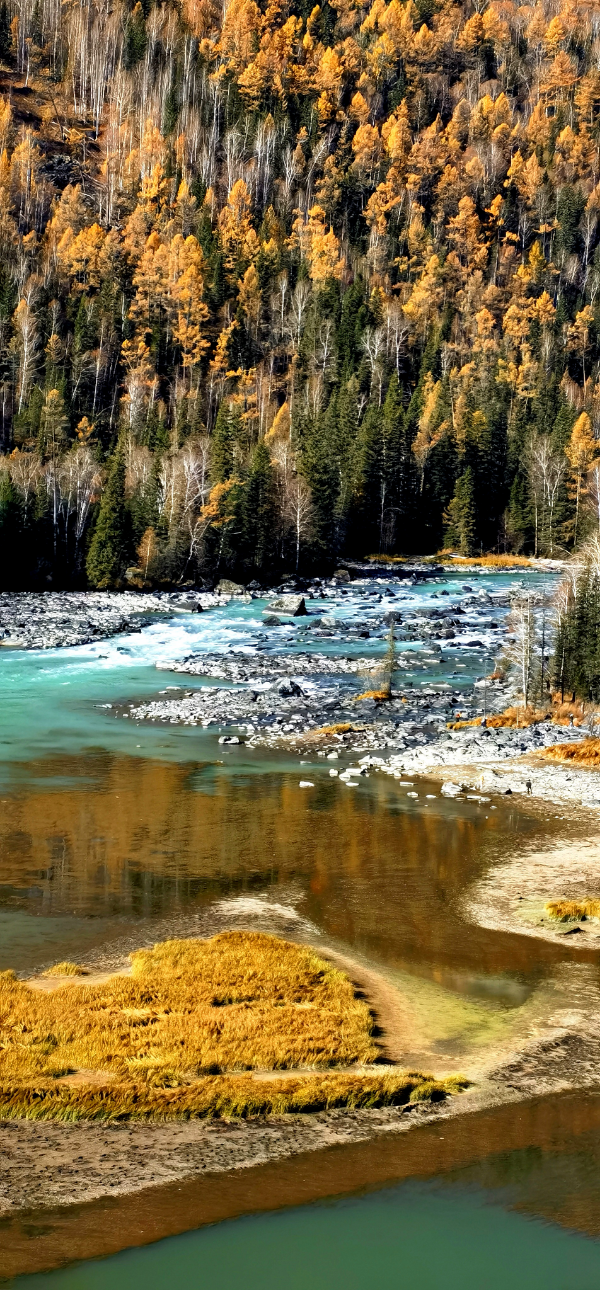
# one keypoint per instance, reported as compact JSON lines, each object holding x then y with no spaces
{"x":115,"y":833}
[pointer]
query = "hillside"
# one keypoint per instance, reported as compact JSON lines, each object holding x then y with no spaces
{"x":292,"y":283}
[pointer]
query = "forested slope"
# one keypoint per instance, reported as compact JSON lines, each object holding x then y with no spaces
{"x":286,"y":283}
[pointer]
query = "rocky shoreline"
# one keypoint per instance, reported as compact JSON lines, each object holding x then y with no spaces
{"x":60,"y":619}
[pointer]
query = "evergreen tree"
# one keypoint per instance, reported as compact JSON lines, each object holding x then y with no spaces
{"x":11,"y":518}
{"x":461,"y":515}
{"x":223,"y":444}
{"x":107,"y":553}
{"x":259,"y":512}
{"x":576,"y":662}
{"x":5,"y":35}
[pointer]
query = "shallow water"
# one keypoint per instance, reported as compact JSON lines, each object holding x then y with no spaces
{"x":509,"y":1196}
{"x":114,"y":834}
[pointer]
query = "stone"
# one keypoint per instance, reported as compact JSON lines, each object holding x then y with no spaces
{"x":228,"y":588}
{"x":342,"y":575}
{"x":451,"y":790}
{"x":271,"y":620}
{"x":292,"y":606}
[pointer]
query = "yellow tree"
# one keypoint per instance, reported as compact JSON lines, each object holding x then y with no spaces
{"x":578,"y":337}
{"x":581,"y":452}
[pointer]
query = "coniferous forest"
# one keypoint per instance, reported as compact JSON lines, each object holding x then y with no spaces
{"x":281,"y":284}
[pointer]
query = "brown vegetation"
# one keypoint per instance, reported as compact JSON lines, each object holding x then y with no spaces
{"x":515,"y":718}
{"x":566,"y":911}
{"x":65,"y":969}
{"x":488,"y":561}
{"x":178,"y":1037}
{"x":583,"y":753}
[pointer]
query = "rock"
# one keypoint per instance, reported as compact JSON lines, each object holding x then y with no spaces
{"x":342,"y":575}
{"x":135,"y":577}
{"x":288,"y":687}
{"x":228,"y":588}
{"x":271,"y":620}
{"x":293,"y":606}
{"x":451,"y":790}
{"x":305,"y":783}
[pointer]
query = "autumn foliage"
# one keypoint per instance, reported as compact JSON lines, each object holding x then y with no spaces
{"x":326,"y":279}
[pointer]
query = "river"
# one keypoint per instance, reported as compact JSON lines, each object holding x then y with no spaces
{"x":115,"y":833}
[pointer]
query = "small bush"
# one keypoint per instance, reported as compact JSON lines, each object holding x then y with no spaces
{"x":65,"y":969}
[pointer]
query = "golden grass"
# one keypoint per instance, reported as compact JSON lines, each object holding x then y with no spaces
{"x":387,"y":559}
{"x":339,"y":728}
{"x":240,"y":1001}
{"x":224,"y":1096}
{"x":489,"y":561}
{"x":565,"y":911}
{"x":380,"y":696}
{"x":179,"y":1037}
{"x":584,"y":753}
{"x":65,"y":969}
{"x":516,"y":718}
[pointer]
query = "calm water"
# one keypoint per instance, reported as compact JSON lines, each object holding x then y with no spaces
{"x":114,"y":833}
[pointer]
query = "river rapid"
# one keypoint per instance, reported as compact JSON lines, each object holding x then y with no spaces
{"x":115,"y":833}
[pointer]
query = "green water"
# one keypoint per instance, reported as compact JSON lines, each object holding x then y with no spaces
{"x":428,"y":1236}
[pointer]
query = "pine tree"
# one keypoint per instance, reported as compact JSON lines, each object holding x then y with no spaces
{"x":5,"y":34}
{"x":11,"y":520}
{"x":461,"y":515}
{"x":107,"y":553}
{"x":223,"y":445}
{"x":259,"y":512}
{"x":576,"y":661}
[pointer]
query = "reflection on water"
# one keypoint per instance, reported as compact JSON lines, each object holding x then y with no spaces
{"x":130,"y":841}
{"x":464,"y":1231}
{"x":110,"y":852}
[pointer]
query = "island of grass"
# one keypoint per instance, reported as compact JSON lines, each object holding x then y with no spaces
{"x":241,"y":1024}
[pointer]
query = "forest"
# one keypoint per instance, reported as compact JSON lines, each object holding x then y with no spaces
{"x":284,"y":284}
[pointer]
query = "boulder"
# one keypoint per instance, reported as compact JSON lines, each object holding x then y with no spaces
{"x":135,"y":578}
{"x":451,"y":790}
{"x":292,"y":606}
{"x":228,"y":588}
{"x":271,"y":620}
{"x":342,"y":575}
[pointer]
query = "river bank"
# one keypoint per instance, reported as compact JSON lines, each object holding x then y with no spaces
{"x":48,"y":1164}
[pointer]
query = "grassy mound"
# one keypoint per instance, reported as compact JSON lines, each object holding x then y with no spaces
{"x":567,"y":911}
{"x":179,"y":1037}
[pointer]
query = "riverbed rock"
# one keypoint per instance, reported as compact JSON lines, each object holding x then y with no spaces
{"x":291,"y":606}
{"x":228,"y":588}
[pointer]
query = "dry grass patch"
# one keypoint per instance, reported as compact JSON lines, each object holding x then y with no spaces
{"x":240,"y":1001}
{"x":380,"y":696}
{"x":517,"y":718}
{"x":65,"y":969}
{"x":180,"y":1036}
{"x":488,"y":561}
{"x":567,"y":911}
{"x":225,"y":1096}
{"x":586,"y":752}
